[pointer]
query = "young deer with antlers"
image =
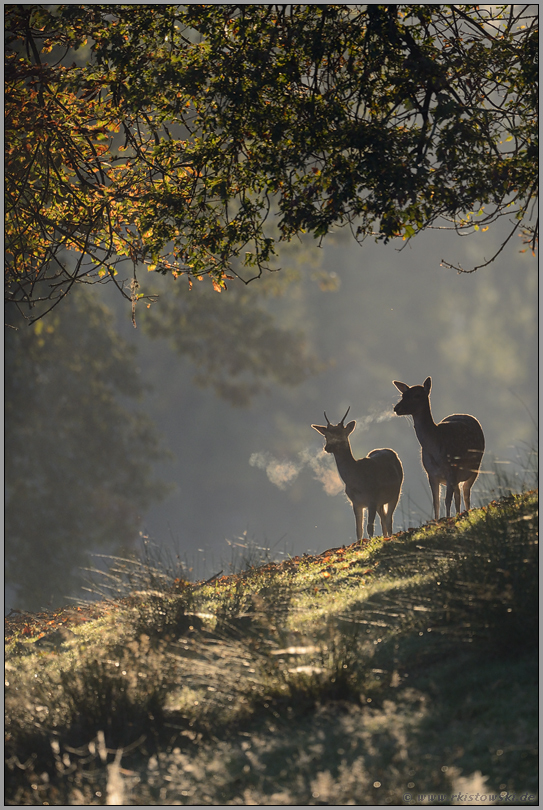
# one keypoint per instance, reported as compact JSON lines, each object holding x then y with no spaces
{"x":451,"y":450}
{"x":371,"y":483}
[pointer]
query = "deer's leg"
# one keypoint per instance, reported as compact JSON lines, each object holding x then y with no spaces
{"x":372,"y":509}
{"x":452,"y":489}
{"x":466,"y":491}
{"x":390,"y":513}
{"x":448,"y":497}
{"x":434,"y":486}
{"x":457,"y":505}
{"x":381,"y":511}
{"x":359,"y":519}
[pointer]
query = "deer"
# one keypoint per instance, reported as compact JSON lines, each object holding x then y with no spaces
{"x":451,"y":450}
{"x":373,"y":483}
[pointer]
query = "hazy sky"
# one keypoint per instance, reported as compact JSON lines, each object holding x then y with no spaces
{"x":259,"y":476}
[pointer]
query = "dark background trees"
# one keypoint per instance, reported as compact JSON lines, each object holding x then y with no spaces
{"x":79,"y":451}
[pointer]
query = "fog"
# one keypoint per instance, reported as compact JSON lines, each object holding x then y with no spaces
{"x":249,"y":479}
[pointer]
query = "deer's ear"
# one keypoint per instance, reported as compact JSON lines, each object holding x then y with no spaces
{"x":427,"y":384}
{"x":350,"y":427}
{"x":402,"y":387}
{"x":320,"y":428}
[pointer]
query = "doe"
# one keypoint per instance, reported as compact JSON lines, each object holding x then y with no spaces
{"x":451,"y":450}
{"x":371,"y":483}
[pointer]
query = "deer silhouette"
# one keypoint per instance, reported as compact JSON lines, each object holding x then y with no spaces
{"x":371,"y":483}
{"x":451,"y":450}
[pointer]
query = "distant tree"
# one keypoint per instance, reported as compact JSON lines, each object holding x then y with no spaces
{"x":171,"y":136}
{"x":238,"y":346}
{"x":78,"y":453}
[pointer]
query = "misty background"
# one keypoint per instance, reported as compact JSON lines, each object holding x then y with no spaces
{"x":193,"y":431}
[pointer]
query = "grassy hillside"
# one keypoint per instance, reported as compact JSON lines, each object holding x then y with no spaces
{"x":398,"y":672}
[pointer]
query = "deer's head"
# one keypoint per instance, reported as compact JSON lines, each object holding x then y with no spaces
{"x":413,"y":398}
{"x":336,"y":435}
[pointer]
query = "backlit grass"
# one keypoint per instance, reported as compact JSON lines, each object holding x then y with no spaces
{"x":361,"y":676}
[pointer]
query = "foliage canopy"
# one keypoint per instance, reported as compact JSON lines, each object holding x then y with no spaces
{"x":188,"y":138}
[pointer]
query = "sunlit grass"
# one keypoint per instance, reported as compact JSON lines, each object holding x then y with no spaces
{"x":343,"y":678}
